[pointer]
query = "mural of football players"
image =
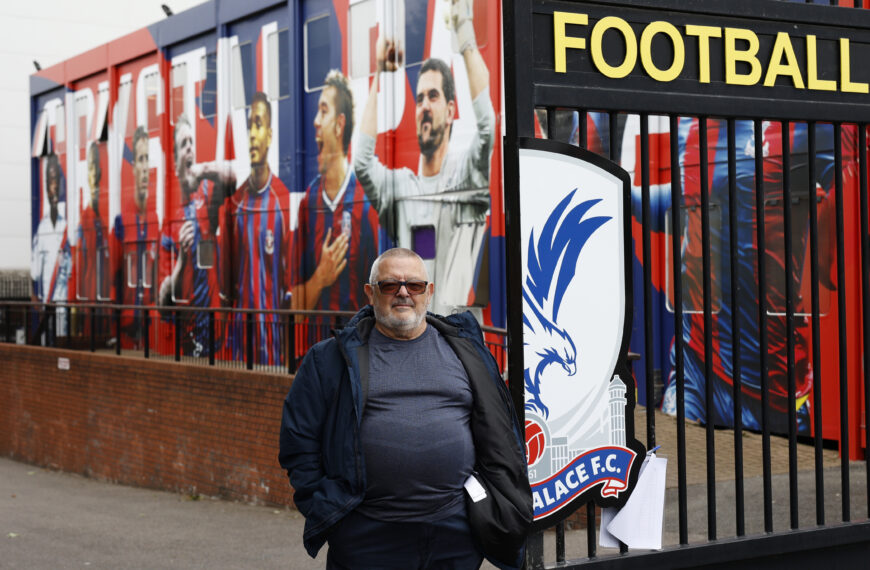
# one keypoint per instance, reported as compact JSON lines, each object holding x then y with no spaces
{"x":50,"y":256}
{"x":336,"y":238}
{"x":190,"y":259}
{"x":256,"y":235}
{"x":439,"y":212}
{"x":136,"y":234}
{"x":746,"y":343}
{"x":93,"y":261}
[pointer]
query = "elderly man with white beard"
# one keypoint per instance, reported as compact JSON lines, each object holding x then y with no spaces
{"x":392,"y":427}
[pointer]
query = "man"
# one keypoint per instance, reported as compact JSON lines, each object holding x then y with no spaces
{"x":190,"y":260}
{"x":334,"y":208}
{"x":93,"y":261}
{"x":136,"y":238}
{"x":448,"y":198}
{"x":387,"y":491}
{"x":51,"y":262}
{"x":256,"y":235}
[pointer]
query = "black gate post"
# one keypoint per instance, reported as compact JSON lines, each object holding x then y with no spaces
{"x":291,"y":344}
{"x":249,"y":341}
{"x":519,"y":118}
{"x":93,"y":317}
{"x":211,"y":337}
{"x":117,"y":312}
{"x":176,"y":320}
{"x":147,"y":332}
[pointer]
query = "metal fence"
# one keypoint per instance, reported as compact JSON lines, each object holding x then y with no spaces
{"x":272,"y":341}
{"x":772,"y":482}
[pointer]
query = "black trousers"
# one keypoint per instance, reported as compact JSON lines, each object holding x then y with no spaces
{"x":362,"y":543}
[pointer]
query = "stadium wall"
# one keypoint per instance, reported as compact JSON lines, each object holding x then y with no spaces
{"x":160,"y":425}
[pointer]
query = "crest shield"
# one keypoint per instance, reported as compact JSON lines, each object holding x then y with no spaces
{"x":579,"y":391}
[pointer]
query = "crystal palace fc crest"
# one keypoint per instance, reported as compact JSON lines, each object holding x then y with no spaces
{"x":579,"y":392}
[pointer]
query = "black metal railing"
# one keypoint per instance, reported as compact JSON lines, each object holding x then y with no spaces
{"x":272,"y":341}
{"x":777,"y":443}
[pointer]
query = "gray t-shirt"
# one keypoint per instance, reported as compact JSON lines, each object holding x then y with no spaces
{"x":416,"y":433}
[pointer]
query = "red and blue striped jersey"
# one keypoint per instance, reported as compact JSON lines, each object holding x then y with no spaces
{"x":199,"y":281}
{"x":93,"y":264}
{"x":256,"y":242}
{"x":136,"y":239}
{"x":352,"y":214}
{"x":254,"y":246}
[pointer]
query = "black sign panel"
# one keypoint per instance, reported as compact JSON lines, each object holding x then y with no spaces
{"x":776,"y":60}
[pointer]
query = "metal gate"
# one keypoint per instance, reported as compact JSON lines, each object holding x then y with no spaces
{"x":744,"y":124}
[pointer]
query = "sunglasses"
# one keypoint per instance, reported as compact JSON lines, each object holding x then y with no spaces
{"x":391,"y":286}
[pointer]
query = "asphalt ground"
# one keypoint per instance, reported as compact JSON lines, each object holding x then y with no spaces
{"x":52,"y":520}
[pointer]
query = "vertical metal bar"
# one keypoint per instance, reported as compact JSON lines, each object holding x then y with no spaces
{"x":551,"y":123}
{"x":211,"y":346}
{"x":679,"y":371}
{"x":736,"y":382}
{"x":117,"y":314}
{"x":816,"y":333}
{"x":146,"y":313}
{"x":53,"y":322}
{"x":176,"y":319}
{"x":841,"y":317}
{"x":560,"y":543}
{"x":291,"y":345}
{"x":612,"y":132}
{"x":865,"y":282}
{"x":648,"y":310}
{"x":591,"y":543}
{"x":249,"y":341}
{"x":93,"y":316}
{"x":789,"y":325}
{"x":762,"y":324}
{"x":708,"y":328}
{"x":519,"y":122}
{"x":535,"y":551}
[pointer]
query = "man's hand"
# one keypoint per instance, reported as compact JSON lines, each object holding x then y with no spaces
{"x":460,"y":21}
{"x":389,"y":54}
{"x":197,"y":171}
{"x":185,"y":238}
{"x":333,"y":259}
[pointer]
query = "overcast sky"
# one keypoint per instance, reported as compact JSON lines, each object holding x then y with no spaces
{"x":48,"y":31}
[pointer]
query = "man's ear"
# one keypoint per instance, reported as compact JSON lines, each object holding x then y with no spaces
{"x":369,"y":291}
{"x":451,"y":111}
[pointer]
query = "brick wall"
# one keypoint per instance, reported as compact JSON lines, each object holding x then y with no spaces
{"x":161,"y":425}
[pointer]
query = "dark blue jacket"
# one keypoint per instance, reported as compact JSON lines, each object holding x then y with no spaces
{"x":320,"y":432}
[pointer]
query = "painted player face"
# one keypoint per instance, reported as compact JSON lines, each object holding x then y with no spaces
{"x":52,"y":186}
{"x":141,"y":172}
{"x":260,"y":133}
{"x":434,"y":113}
{"x":328,"y":130}
{"x":93,"y":180}
{"x":400,"y":315}
{"x":184,"y":157}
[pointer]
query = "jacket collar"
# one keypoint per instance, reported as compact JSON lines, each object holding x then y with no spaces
{"x":360,"y":326}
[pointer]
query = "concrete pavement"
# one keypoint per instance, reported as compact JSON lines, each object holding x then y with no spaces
{"x":52,"y":520}
{"x":57,"y":520}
